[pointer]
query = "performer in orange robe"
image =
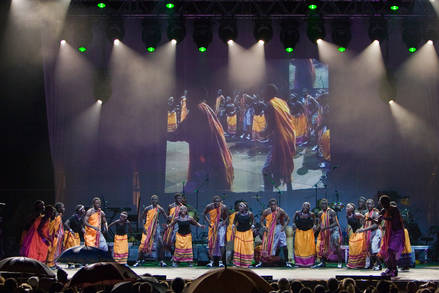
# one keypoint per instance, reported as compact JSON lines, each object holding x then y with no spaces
{"x":274,"y":239}
{"x":170,"y":232}
{"x":279,"y":164}
{"x":210,"y":161}
{"x":37,"y":241}
{"x":57,"y":232}
{"x":74,"y":226}
{"x":151,"y":240}
{"x":216,"y":214}
{"x":183,"y":107}
{"x":95,"y":223}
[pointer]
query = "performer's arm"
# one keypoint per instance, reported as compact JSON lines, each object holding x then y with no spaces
{"x":67,"y":225}
{"x":117,"y":221}
{"x":173,"y":222}
{"x":205,"y":213}
{"x":193,"y":222}
{"x":162,"y":210}
{"x":104,"y":221}
{"x":295,"y":220}
{"x":264,"y":214}
{"x":252,"y":220}
{"x":286,"y":220}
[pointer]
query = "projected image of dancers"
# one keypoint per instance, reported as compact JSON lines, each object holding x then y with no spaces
{"x":269,"y":138}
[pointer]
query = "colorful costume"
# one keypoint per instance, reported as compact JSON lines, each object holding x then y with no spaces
{"x":150,"y":240}
{"x":406,"y":256}
{"x":324,"y":145}
{"x":394,"y":238}
{"x":230,"y":226}
{"x":33,"y":245}
{"x":231,"y":124}
{"x":300,"y":128}
{"x":72,"y":239}
{"x":209,"y":155}
{"x":183,"y":242}
{"x":357,"y":245}
{"x":279,"y":164}
{"x":57,"y":234}
{"x":243,"y":248}
{"x":92,"y":237}
{"x":328,"y":239}
{"x":273,"y":236}
{"x":216,"y":233}
{"x":258,"y":127}
{"x":304,"y":242}
{"x":184,"y":110}
{"x":172,"y":121}
{"x":120,"y":249}
{"x":169,"y":234}
{"x":373,"y":237}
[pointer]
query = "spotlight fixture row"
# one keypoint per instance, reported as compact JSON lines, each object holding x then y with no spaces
{"x":202,"y":33}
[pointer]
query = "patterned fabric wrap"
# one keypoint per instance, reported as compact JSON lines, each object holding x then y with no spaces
{"x":183,"y":248}
{"x":357,"y":251}
{"x":71,"y":240}
{"x":393,"y":240}
{"x":91,"y":236}
{"x":213,"y":244}
{"x":329,"y":238}
{"x":33,"y":245}
{"x":268,"y":238}
{"x":57,"y":235}
{"x":172,"y":121}
{"x":151,"y":223}
{"x":243,"y":248}
{"x":231,"y":124}
{"x":304,"y":248}
{"x":259,"y":124}
{"x":169,"y":232}
{"x":230,"y":227}
{"x":120,"y":250}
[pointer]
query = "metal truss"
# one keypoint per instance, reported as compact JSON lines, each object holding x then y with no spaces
{"x":250,"y":9}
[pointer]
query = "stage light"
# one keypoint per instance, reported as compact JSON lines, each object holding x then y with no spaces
{"x":431,"y":30}
{"x":115,"y":30}
{"x":230,"y":42}
{"x":116,"y":42}
{"x":429,"y":42}
{"x":82,"y":49}
{"x":99,"y":101}
{"x":170,"y":4}
{"x":341,"y":34}
{"x":315,"y":29}
{"x":102,"y":89}
{"x":83,"y":34}
{"x":62,"y":42}
{"x":394,"y":7}
{"x":411,"y":34}
{"x":176,"y":30}
{"x":312,"y":4}
{"x":391,"y":101}
{"x":102,"y":5}
{"x":289,"y":35}
{"x":227,"y":30}
{"x":377,"y":29}
{"x":263,"y":31}
{"x":151,"y":34}
{"x":202,"y":34}
{"x":174,"y":42}
{"x":261,"y":42}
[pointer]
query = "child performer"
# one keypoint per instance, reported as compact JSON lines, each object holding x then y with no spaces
{"x":120,"y":249}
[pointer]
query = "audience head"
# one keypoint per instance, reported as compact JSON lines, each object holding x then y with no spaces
{"x":274,"y":286}
{"x":56,"y":287}
{"x":383,"y":286}
{"x":10,"y":285}
{"x":62,"y":276}
{"x":412,"y":287}
{"x":34,"y":282}
{"x":145,"y":288}
{"x":305,"y":290}
{"x":283,"y":284}
{"x":296,"y":286}
{"x":319,"y":289}
{"x":177,"y":285}
{"x":332,"y":284}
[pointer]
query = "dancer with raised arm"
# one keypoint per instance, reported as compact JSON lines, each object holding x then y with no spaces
{"x":183,"y":238}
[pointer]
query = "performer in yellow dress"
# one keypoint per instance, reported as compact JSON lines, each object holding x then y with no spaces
{"x":243,"y":248}
{"x":151,"y":240}
{"x":357,"y":239}
{"x":183,"y":239}
{"x":304,"y":242}
{"x":173,"y":212}
{"x":74,"y":227}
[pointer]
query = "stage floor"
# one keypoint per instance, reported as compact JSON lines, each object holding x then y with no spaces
{"x":427,"y":273}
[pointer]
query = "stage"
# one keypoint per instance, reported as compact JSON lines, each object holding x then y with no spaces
{"x":421,"y":274}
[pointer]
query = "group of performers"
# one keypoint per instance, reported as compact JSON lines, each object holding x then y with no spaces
{"x":375,"y":236}
{"x":283,"y":124}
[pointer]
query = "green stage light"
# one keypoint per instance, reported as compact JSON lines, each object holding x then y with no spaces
{"x":102,"y":5}
{"x":394,"y":7}
{"x":150,"y":49}
{"x":82,"y":49}
{"x":312,"y":7}
{"x":289,"y":50}
{"x":341,"y":49}
{"x":170,"y":5}
{"x":202,"y":49}
{"x":412,"y":49}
